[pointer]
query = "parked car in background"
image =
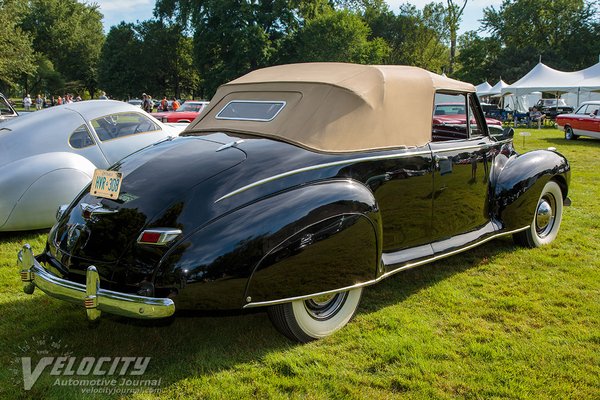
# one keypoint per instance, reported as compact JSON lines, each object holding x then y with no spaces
{"x":552,"y":107}
{"x":7,"y":111}
{"x":135,"y":102}
{"x":298,"y":186}
{"x":47,"y":157}
{"x":449,"y":121}
{"x":584,"y":122}
{"x":186,"y":113}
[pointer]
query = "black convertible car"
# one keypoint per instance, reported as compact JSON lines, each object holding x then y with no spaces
{"x":296,"y":187}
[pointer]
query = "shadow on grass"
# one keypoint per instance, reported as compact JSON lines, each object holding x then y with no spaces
{"x":193,"y":344}
{"x":404,"y":284}
{"x":585,"y":141}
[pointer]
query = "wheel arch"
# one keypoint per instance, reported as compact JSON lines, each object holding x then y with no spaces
{"x":37,"y":185}
{"x":519,"y":185}
{"x":219,"y":265}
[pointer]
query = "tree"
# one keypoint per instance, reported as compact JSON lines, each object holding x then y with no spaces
{"x":477,"y":58}
{"x":416,"y":37}
{"x":70,"y":35}
{"x":233,"y":37}
{"x":453,"y":15}
{"x":339,"y":35}
{"x":174,"y":69}
{"x":16,"y":51}
{"x":564,"y":32}
{"x":120,"y":71}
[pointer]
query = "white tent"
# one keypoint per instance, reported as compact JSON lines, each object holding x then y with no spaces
{"x":496,"y":90}
{"x":483,"y":89}
{"x":591,"y":79}
{"x":545,"y":79}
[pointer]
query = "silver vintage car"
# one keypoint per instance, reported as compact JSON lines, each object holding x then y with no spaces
{"x":6,"y":109}
{"x":47,"y":157}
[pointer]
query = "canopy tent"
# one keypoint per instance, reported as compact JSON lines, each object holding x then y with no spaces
{"x":545,"y":79}
{"x":483,"y":89}
{"x":591,"y":79}
{"x":496,"y":90}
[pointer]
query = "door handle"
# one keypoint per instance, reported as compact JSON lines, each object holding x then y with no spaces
{"x":439,"y":158}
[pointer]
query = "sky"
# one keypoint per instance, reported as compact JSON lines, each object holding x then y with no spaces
{"x":116,"y":11}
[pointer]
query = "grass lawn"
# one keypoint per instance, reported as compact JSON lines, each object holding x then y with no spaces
{"x":497,"y":322}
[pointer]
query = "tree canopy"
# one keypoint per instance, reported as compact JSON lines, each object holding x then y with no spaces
{"x":69,"y":34}
{"x":16,"y":52}
{"x":564,"y":33}
{"x":190,"y":47}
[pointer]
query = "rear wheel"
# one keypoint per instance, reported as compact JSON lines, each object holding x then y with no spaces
{"x":569,"y":134}
{"x":546,"y":220}
{"x":315,"y":318}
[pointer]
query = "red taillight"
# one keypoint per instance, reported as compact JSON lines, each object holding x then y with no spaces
{"x":150,"y":237}
{"x":158,"y":236}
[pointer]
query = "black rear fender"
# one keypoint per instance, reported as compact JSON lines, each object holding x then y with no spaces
{"x":306,"y":240}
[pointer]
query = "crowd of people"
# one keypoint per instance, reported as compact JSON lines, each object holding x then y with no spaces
{"x":148,"y":104}
{"x":44,"y":102}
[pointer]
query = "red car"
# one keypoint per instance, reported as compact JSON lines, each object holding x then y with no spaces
{"x":450,"y":121}
{"x":187,"y":112}
{"x":584,"y":122}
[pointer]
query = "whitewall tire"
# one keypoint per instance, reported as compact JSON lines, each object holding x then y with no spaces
{"x":307,"y":320}
{"x":546,"y":219}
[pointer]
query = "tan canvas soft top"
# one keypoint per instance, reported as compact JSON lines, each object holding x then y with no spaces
{"x":336,"y":107}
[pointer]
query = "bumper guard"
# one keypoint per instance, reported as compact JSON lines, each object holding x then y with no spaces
{"x":91,"y":296}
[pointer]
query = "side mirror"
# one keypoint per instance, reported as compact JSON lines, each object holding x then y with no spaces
{"x":499,"y":133}
{"x":508,"y":133}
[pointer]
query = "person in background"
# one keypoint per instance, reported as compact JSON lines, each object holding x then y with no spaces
{"x":38,"y":102}
{"x":27,"y":102}
{"x":536,"y":116}
{"x":175,"y":104}
{"x":52,"y":101}
{"x":59,"y":101}
{"x":164,"y":104}
{"x":102,"y":96}
{"x":147,"y":103}
{"x":78,"y":98}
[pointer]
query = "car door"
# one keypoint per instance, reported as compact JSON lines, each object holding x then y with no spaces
{"x":121,"y":134}
{"x":590,"y":121}
{"x":578,"y":120}
{"x":461,"y":172}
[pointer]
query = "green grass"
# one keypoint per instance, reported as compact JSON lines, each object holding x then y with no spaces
{"x":497,"y":322}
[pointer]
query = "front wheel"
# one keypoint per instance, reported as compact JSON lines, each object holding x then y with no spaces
{"x":569,"y":134}
{"x":315,"y":318}
{"x":546,"y":220}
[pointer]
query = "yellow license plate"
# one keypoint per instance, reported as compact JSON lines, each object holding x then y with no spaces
{"x":106,"y":184}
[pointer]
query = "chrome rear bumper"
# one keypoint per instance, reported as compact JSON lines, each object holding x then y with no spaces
{"x":91,"y":296}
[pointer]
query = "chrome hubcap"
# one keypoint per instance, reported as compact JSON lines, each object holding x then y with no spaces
{"x":324,"y":307}
{"x":544,"y":216}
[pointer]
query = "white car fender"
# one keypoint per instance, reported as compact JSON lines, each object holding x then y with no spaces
{"x":32,"y":188}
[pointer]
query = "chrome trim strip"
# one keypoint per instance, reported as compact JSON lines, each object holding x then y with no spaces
{"x":387,"y":274}
{"x":90,"y":295}
{"x":319,"y":166}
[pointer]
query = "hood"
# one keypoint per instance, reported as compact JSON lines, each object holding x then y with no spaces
{"x":156,"y":182}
